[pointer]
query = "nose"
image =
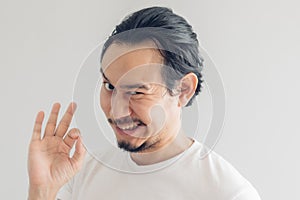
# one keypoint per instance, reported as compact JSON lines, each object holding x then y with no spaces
{"x":120,"y":105}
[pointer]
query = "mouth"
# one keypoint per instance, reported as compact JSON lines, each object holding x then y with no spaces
{"x":128,"y":129}
{"x":128,"y":126}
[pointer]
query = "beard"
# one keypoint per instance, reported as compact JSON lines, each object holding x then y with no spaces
{"x":131,"y":148}
{"x":145,"y":147}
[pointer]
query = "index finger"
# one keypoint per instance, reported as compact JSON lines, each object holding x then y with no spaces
{"x":66,"y":120}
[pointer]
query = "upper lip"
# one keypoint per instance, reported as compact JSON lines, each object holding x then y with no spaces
{"x":125,"y":122}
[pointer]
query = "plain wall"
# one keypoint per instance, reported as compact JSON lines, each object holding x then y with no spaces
{"x":255,"y":45}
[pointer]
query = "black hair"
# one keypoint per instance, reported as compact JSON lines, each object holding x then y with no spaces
{"x":174,"y":37}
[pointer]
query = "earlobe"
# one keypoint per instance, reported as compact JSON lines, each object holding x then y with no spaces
{"x":188,"y":85}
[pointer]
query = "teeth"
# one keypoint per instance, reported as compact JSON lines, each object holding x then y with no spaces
{"x":128,"y":126}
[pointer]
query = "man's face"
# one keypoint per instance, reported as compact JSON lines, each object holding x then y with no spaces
{"x":135,"y":100}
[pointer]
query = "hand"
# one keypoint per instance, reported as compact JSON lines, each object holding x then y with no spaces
{"x":49,"y":164}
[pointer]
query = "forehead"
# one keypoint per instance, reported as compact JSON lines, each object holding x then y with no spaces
{"x":132,"y":63}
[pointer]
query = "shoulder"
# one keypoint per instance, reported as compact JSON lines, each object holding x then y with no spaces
{"x":212,"y":164}
{"x":216,"y":173}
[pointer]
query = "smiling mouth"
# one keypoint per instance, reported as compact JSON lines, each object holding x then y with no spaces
{"x":131,"y":131}
{"x":128,"y":127}
{"x":126,"y":124}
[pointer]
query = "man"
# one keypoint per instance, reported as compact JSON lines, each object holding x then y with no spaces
{"x":151,"y":69}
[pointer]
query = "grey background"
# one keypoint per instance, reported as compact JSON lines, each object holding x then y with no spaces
{"x":255,"y":45}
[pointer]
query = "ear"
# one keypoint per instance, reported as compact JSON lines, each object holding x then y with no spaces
{"x":187,"y":87}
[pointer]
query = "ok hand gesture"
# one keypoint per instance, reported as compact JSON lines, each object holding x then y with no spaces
{"x":49,"y":163}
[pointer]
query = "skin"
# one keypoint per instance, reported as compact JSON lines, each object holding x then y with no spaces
{"x":134,"y":64}
{"x":49,"y":164}
{"x":137,"y":106}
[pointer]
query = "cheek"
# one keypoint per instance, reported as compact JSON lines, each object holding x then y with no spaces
{"x":173,"y":110}
{"x":105,"y":100}
{"x":141,"y":109}
{"x":150,"y":112}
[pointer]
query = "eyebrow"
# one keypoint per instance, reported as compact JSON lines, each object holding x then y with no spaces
{"x":104,"y":75}
{"x":134,"y":86}
{"x":130,"y":86}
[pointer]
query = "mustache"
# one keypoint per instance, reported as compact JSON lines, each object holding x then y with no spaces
{"x":125,"y":120}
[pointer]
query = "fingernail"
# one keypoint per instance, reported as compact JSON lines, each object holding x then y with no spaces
{"x":74,"y":134}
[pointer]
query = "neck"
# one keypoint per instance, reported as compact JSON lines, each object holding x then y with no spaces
{"x":178,"y":145}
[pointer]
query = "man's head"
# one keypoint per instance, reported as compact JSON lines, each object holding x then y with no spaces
{"x":151,"y":69}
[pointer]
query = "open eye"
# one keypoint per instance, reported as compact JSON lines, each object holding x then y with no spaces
{"x":108,"y":86}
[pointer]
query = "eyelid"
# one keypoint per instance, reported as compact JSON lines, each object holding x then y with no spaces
{"x":137,"y":93}
{"x":128,"y":92}
{"x":105,"y":84}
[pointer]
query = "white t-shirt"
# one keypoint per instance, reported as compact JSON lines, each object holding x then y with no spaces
{"x":184,"y":177}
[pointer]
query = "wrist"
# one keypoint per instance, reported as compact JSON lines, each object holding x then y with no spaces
{"x":42,"y":193}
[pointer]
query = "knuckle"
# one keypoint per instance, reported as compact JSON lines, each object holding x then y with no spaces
{"x":51,"y":122}
{"x":64,"y":124}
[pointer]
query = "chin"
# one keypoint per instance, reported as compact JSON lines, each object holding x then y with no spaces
{"x":139,"y":145}
{"x":128,"y":146}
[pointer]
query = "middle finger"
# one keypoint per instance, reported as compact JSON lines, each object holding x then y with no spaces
{"x":51,"y":124}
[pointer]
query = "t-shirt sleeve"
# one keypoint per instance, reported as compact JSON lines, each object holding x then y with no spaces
{"x":248,"y":193}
